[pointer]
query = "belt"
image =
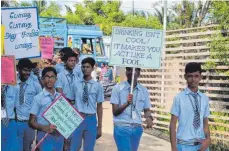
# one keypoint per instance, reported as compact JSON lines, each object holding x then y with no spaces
{"x":71,"y":101}
{"x":87,"y":114}
{"x":22,"y":120}
{"x":128,"y":124}
{"x":11,"y":119}
{"x":188,"y":143}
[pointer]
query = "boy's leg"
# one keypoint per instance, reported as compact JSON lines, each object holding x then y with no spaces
{"x":58,"y":143}
{"x":122,"y":136}
{"x":135,"y":138}
{"x":29,"y":136}
{"x":9,"y":134}
{"x":22,"y":126}
{"x":46,"y":145}
{"x":76,"y":137}
{"x":181,"y":147}
{"x":199,"y":146}
{"x":5,"y":137}
{"x":90,"y":133}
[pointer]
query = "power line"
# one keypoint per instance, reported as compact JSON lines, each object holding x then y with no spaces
{"x":137,"y":8}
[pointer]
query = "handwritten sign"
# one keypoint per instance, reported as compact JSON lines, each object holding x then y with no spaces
{"x":8,"y":70}
{"x":21,"y":32}
{"x":46,"y":46}
{"x":58,"y":31}
{"x":2,"y":39}
{"x":64,"y":116}
{"x":136,"y":47}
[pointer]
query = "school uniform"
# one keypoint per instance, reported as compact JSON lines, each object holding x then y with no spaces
{"x":189,"y":133}
{"x":27,"y":90}
{"x":65,"y":80}
{"x":127,"y":126}
{"x":40,"y":103}
{"x":61,"y":67}
{"x":10,"y":141}
{"x":87,"y":95}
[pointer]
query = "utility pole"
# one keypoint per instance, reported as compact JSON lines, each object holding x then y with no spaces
{"x":133,"y":7}
{"x":163,"y":52}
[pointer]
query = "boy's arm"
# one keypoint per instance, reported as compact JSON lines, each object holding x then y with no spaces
{"x":172,"y":131}
{"x":59,"y":84}
{"x":206,"y":142}
{"x":40,"y":127}
{"x":117,"y":108}
{"x":100,"y":117}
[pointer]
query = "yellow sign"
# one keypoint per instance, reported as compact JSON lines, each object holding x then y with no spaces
{"x":2,"y":39}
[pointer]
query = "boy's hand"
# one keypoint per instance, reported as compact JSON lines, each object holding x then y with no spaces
{"x":49,"y":128}
{"x":130,"y":99}
{"x":174,"y":149}
{"x":99,"y":132}
{"x":204,"y":144}
{"x":149,"y":122}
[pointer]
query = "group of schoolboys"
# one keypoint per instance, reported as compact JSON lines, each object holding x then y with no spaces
{"x":24,"y":104}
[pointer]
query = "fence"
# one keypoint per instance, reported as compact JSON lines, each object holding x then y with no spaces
{"x":183,"y":46}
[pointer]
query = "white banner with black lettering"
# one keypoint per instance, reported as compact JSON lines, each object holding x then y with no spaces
{"x":136,"y":47}
{"x":21,"y":32}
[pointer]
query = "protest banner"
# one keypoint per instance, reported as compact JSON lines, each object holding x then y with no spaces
{"x":21,"y":32}
{"x":46,"y":47}
{"x":58,"y":31}
{"x":136,"y":47}
{"x":8,"y":70}
{"x":62,"y":114}
{"x":2,"y":39}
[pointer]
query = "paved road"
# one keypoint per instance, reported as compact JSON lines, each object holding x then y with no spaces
{"x":106,"y":142}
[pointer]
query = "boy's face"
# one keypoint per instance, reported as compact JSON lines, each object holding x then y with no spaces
{"x":87,"y":69}
{"x":71,"y":63}
{"x":193,"y":79}
{"x":49,"y":80}
{"x":129,"y":74}
{"x":25,"y":73}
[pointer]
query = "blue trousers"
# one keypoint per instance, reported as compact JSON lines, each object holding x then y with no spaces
{"x":26,"y":136}
{"x":10,"y":141}
{"x":127,"y":138}
{"x":87,"y":131}
{"x":50,"y":143}
{"x":181,"y":147}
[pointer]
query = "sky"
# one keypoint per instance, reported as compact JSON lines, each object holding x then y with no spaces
{"x":126,"y":6}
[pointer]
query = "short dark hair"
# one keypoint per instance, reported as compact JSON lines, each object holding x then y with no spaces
{"x":193,"y":67}
{"x":89,"y":60}
{"x":48,"y":69}
{"x":130,"y":68}
{"x":68,"y":55}
{"x":65,"y":50}
{"x":25,"y":63}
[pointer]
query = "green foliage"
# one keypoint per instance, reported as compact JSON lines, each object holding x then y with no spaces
{"x":219,"y":145}
{"x":139,"y":21}
{"x":188,"y":14}
{"x":24,"y":4}
{"x":108,"y":14}
{"x":53,"y":10}
{"x":40,"y":4}
{"x":221,"y":13}
{"x":219,"y":47}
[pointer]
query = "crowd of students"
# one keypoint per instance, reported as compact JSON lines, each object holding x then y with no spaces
{"x":24,"y":103}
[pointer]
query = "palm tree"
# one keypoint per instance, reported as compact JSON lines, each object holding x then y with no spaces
{"x":40,"y":4}
{"x":5,"y":3}
{"x":159,"y":13}
{"x":69,"y":10}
